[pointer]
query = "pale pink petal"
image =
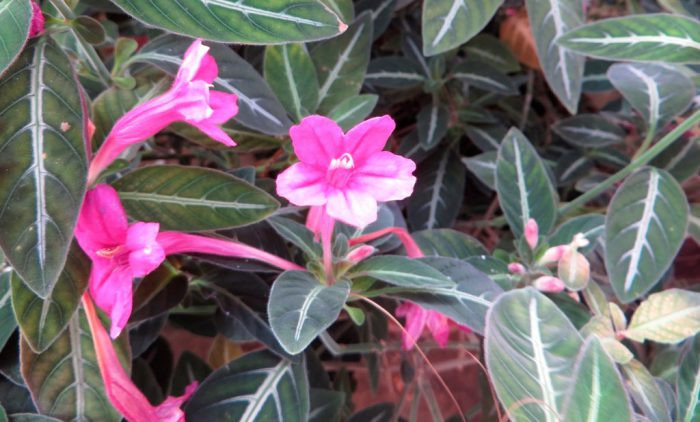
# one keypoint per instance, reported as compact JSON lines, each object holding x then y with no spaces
{"x":192,"y":102}
{"x":439,"y":327}
{"x":317,"y":140}
{"x":368,"y":137}
{"x":531,"y":233}
{"x":224,"y":106}
{"x":385,"y":176}
{"x":191,"y":62}
{"x":111,"y":288}
{"x":353,"y":207}
{"x":102,"y":221}
{"x":416,"y":318}
{"x":303,"y":184}
{"x":145,"y":252}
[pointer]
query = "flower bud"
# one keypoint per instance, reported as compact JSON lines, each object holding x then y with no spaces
{"x":36,"y":26}
{"x":574,"y":269}
{"x":531,"y":233}
{"x":360,"y":253}
{"x":549,"y":284}
{"x":552,"y":255}
{"x":516,"y":268}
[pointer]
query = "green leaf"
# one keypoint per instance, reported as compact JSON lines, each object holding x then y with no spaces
{"x":7,"y":318}
{"x":65,"y":380}
{"x":43,"y":320}
{"x":108,"y":107}
{"x":343,"y":8}
{"x":353,"y":110}
{"x":259,"y":108}
{"x":688,"y":384}
{"x":595,"y":78}
{"x":258,"y":386}
{"x":562,"y":68}
{"x":491,"y":50}
{"x":652,"y":37}
{"x":43,"y":162}
{"x":591,"y":226}
{"x":645,"y":392}
{"x":437,"y":198}
{"x":644,"y":230}
{"x":658,"y":92}
{"x":448,"y":243}
{"x":300,"y":308}
{"x":523,"y":186}
{"x":291,"y":74}
{"x":596,"y":391}
{"x":400,"y":271}
{"x":326,"y":405}
{"x":487,"y":138}
{"x":394,"y":72}
{"x":483,"y":166}
{"x":238,"y":21}
{"x":589,"y":131}
{"x":15,"y":17}
{"x":189,"y":368}
{"x":680,"y":158}
{"x":341,"y":63}
{"x":31,"y":417}
{"x":192,"y":198}
{"x":432,"y":121}
{"x":450,"y":23}
{"x":296,"y":233}
{"x":381,"y":10}
{"x":530,"y":351}
{"x":666,"y":317}
{"x":484,"y":76}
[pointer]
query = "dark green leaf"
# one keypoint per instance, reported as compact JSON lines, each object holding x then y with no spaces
{"x":7,"y":318}
{"x":297,"y":234}
{"x":589,"y":131}
{"x":491,"y":50}
{"x":448,"y":243}
{"x":680,"y":158}
{"x":291,"y":74}
{"x":394,"y":72}
{"x":432,"y":123}
{"x":483,"y":166}
{"x":487,"y":138}
{"x":15,"y":17}
{"x":326,"y":405}
{"x":484,"y":76}
{"x":189,"y":368}
{"x":400,"y":271}
{"x":353,"y":110}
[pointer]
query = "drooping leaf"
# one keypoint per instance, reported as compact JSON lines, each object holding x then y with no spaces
{"x":644,"y":229}
{"x":15,"y":17}
{"x":448,"y":243}
{"x":657,"y":91}
{"x":353,"y":110}
{"x":291,"y":74}
{"x":596,"y":392}
{"x":439,"y":191}
{"x":192,"y":198}
{"x":394,"y":72}
{"x":432,"y":123}
{"x":300,"y":307}
{"x":238,"y":21}
{"x":8,"y":324}
{"x":645,"y":392}
{"x":530,"y":351}
{"x":688,"y":383}
{"x":523,"y":186}
{"x":43,"y":162}
{"x":666,"y":317}
{"x":341,"y":63}
{"x":43,"y":320}
{"x":484,"y":76}
{"x":259,"y":108}
{"x":562,"y":68}
{"x":589,"y":131}
{"x":400,"y":271}
{"x":450,"y":23}
{"x":651,"y":37}
{"x":483,"y":166}
{"x":65,"y":380}
{"x":259,"y":386}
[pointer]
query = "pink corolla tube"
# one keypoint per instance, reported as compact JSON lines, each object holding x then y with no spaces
{"x":189,"y":100}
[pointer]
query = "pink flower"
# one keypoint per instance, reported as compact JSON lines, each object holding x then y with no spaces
{"x":417,"y":318}
{"x":531,"y":233}
{"x":345,"y":173}
{"x":36,"y":25}
{"x":121,"y":391}
{"x":120,"y":252}
{"x":412,"y":248}
{"x":189,"y":99}
{"x":549,"y":284}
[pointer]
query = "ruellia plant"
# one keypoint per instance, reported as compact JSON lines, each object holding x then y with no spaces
{"x":338,"y":210}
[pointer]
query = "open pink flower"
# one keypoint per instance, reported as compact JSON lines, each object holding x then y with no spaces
{"x":121,"y":391}
{"x":36,"y":26}
{"x":189,"y":100}
{"x":120,"y":252}
{"x":346,"y":173}
{"x":417,"y":318}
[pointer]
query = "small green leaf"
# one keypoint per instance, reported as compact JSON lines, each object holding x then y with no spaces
{"x":688,"y":384}
{"x":591,"y":226}
{"x":432,"y":122}
{"x":645,"y":392}
{"x":238,"y":21}
{"x":296,"y":233}
{"x":291,"y":74}
{"x":90,"y":29}
{"x":523,"y":186}
{"x":589,"y":131}
{"x":353,"y":110}
{"x":108,"y":107}
{"x":394,"y":72}
{"x":15,"y":17}
{"x":448,"y":243}
{"x":484,"y":76}
{"x":300,"y":308}
{"x":487,"y":138}
{"x":644,"y":229}
{"x":666,"y":317}
{"x":192,"y":198}
{"x":652,"y":37}
{"x":491,"y":50}
{"x":447,"y":24}
{"x":400,"y":271}
{"x":680,"y":158}
{"x":258,"y":386}
{"x":483,"y":166}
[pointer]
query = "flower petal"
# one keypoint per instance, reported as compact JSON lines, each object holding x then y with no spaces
{"x":354,"y":207}
{"x":191,"y":62}
{"x":368,"y":137}
{"x":145,"y":252}
{"x":102,"y":222}
{"x":416,"y":318}
{"x":385,"y":176}
{"x":439,"y":327}
{"x":303,"y":184}
{"x":224,"y":105}
{"x":111,"y":288}
{"x":208,"y":69}
{"x":317,"y":140}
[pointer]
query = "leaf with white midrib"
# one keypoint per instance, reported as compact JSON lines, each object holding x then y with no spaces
{"x":15,"y":18}
{"x":645,"y":392}
{"x":666,"y":317}
{"x":688,"y":383}
{"x":43,"y":157}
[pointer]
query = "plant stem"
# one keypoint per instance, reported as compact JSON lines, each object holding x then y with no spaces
{"x":636,"y":163}
{"x":647,"y":141}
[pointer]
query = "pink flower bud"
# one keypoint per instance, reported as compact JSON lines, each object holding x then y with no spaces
{"x":516,"y":268}
{"x":531,"y":233}
{"x":358,"y":254}
{"x":552,"y":255}
{"x":574,"y":269}
{"x":549,"y":284}
{"x":36,"y":26}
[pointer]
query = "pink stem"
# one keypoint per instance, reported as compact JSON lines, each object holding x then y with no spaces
{"x":327,"y":224}
{"x":176,"y":242}
{"x":412,"y":248}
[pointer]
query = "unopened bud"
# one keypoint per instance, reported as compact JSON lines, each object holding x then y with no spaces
{"x":579,"y":241}
{"x":549,"y":284}
{"x":552,"y":255}
{"x":531,"y":233}
{"x":574,"y":270}
{"x":360,"y":253}
{"x":516,"y":268}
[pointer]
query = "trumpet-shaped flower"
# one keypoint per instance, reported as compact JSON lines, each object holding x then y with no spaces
{"x":189,"y":100}
{"x":346,"y":173}
{"x":121,"y":391}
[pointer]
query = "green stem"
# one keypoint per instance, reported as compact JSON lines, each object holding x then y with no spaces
{"x":93,"y":58}
{"x":647,"y":141}
{"x":636,"y":163}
